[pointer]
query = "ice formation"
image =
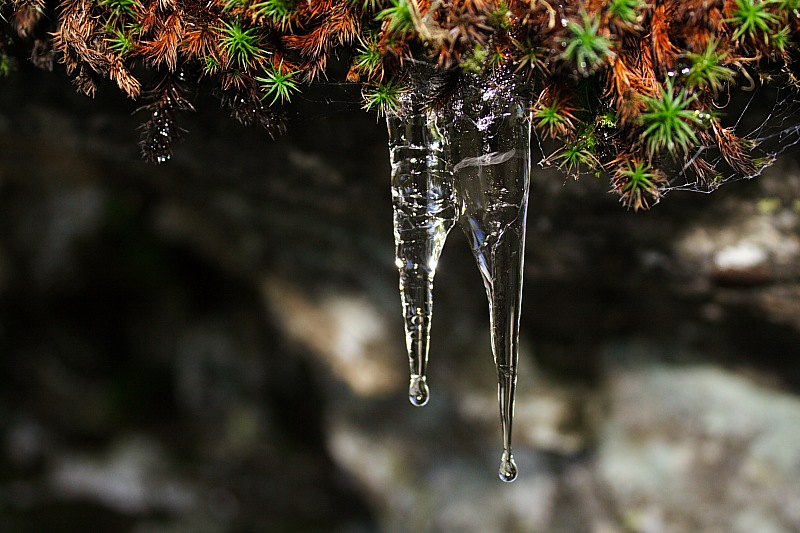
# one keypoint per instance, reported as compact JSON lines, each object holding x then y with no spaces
{"x":467,"y":163}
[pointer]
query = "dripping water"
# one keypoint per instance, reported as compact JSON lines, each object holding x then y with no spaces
{"x":508,"y":468}
{"x":424,"y":214}
{"x":488,"y":142}
{"x":469,"y":164}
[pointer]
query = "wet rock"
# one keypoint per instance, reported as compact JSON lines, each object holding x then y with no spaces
{"x":699,"y":449}
{"x":754,"y":249}
{"x":134,"y":477}
{"x":347,"y":333}
{"x":442,"y":487}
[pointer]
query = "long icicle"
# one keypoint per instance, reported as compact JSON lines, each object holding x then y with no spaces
{"x":489,"y":139}
{"x":424,"y":214}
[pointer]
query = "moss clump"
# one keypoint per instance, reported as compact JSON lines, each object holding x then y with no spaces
{"x":659,"y":68}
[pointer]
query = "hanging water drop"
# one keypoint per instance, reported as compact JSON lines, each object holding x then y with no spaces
{"x":424,"y":214}
{"x":418,"y":393}
{"x":508,"y":468}
{"x":489,"y":147}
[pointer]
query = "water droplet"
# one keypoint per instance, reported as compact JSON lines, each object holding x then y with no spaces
{"x":685,"y":70}
{"x":418,"y":392}
{"x":671,"y":73}
{"x":564,"y":23}
{"x":508,"y":468}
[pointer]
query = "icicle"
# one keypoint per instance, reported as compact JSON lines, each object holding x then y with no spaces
{"x":424,"y":213}
{"x":489,"y":147}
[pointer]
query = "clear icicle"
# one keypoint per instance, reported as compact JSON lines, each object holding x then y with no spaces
{"x":424,"y":213}
{"x":489,"y":146}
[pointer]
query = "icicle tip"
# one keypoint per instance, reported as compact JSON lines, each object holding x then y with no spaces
{"x":418,"y":392}
{"x":508,"y":468}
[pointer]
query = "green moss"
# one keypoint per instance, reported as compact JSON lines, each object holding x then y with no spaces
{"x":626,"y":11}
{"x":707,"y":69}
{"x":383,"y":97}
{"x":241,"y":46}
{"x":669,"y":121}
{"x":586,"y":49}
{"x":754,"y":19}
{"x":279,"y":11}
{"x":400,"y":16}
{"x":279,"y":85}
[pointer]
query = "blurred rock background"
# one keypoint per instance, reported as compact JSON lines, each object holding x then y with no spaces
{"x":215,"y":344}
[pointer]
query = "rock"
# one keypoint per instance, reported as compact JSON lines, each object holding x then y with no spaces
{"x":697,"y":448}
{"x":133,"y":478}
{"x":348,"y":334}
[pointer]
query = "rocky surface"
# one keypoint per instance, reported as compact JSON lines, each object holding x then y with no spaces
{"x":215,"y":344}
